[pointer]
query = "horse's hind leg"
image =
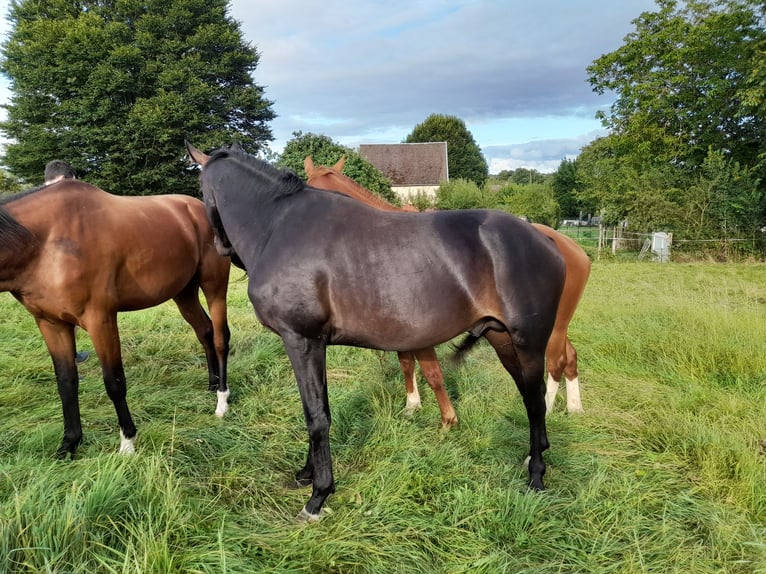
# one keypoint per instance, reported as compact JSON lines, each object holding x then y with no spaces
{"x":429,"y":365}
{"x":214,"y":282}
{"x":574,"y":403}
{"x":527,"y":369}
{"x":59,"y":338}
{"x":191,"y":309}
{"x":407,"y":365}
{"x":556,"y":358}
{"x":106,"y":341}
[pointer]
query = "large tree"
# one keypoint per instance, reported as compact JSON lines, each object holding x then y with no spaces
{"x":114,"y":87}
{"x":688,"y":119}
{"x":464,"y":156}
{"x":688,"y":79}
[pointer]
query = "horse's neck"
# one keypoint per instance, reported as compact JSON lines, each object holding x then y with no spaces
{"x":352,"y":189}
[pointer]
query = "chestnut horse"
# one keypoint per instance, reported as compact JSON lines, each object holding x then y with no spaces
{"x":75,"y":255}
{"x":324,"y":269}
{"x":560,"y":353}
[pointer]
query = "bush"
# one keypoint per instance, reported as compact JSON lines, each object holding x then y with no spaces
{"x":463,"y":194}
{"x":533,"y":201}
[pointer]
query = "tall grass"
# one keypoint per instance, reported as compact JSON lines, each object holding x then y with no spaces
{"x":664,"y":472}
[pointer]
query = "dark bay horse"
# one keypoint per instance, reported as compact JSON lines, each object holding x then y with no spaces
{"x":561,"y":356}
{"x":75,"y":255}
{"x":325,"y":269}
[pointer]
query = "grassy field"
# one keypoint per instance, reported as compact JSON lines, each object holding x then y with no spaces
{"x":664,"y":472}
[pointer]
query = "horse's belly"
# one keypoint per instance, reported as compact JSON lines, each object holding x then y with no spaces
{"x":416,"y":327}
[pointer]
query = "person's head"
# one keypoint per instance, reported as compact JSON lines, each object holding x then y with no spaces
{"x":56,"y":170}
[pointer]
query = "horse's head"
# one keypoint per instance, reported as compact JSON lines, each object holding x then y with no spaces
{"x":221,"y":240}
{"x":320,"y":170}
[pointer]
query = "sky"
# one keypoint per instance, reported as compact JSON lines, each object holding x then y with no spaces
{"x":369,"y":71}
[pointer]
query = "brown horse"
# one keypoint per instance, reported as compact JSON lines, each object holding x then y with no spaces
{"x":324,"y":269}
{"x":560,"y":353}
{"x":75,"y":255}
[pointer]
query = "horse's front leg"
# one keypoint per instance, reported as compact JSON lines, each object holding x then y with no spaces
{"x":106,"y":341}
{"x":429,"y":365}
{"x":308,"y":357}
{"x":214,"y":336}
{"x":407,"y":365}
{"x":59,"y":338}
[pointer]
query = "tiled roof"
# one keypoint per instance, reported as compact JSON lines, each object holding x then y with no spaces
{"x":409,"y":164}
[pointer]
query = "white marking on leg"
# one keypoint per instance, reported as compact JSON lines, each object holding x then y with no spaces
{"x":126,"y":445}
{"x":223,"y":403}
{"x":552,"y":388}
{"x":413,"y":399}
{"x":574,"y":404}
{"x":306,"y":516}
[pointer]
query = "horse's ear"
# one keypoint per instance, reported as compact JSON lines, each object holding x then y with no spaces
{"x":196,"y":155}
{"x":308,"y":165}
{"x":340,"y":163}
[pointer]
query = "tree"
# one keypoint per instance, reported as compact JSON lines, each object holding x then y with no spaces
{"x":687,"y":79}
{"x":114,"y":87}
{"x":534,"y":201}
{"x":464,"y":156}
{"x":564,"y":185}
{"x":324,"y":151}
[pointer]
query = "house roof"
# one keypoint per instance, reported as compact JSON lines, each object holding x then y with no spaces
{"x":409,"y":163}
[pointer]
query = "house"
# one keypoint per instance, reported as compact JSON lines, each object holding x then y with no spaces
{"x":412,"y":167}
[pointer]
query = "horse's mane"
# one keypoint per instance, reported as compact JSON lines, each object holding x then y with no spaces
{"x":350,"y":187}
{"x":282,"y":182}
{"x":9,"y":198}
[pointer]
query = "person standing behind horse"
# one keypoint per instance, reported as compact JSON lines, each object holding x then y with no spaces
{"x":56,"y":170}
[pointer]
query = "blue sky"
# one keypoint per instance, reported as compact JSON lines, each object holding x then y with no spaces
{"x":370,"y":71}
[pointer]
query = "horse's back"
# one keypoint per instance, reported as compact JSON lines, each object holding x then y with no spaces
{"x":455,"y":267}
{"x":127,"y":252}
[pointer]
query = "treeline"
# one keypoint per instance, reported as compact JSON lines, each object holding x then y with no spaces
{"x":115,"y":89}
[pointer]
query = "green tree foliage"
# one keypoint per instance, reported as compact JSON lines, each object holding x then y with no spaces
{"x":8,"y":184}
{"x":723,"y":200}
{"x":533,"y":201}
{"x":686,"y":80}
{"x":566,"y":191}
{"x":464,"y":156}
{"x":324,"y":151}
{"x":114,"y":87}
{"x":687,"y":129}
{"x":464,"y":194}
{"x":522,"y":176}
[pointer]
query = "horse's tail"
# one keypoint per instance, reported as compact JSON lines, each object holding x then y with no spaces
{"x":13,"y":235}
{"x":462,"y":348}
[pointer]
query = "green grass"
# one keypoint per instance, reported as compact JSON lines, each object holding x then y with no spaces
{"x":665,"y":471}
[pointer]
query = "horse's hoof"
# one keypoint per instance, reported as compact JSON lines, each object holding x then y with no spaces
{"x":64,"y":453}
{"x":449,"y":423}
{"x":126,"y":445}
{"x":223,"y":403}
{"x":305,"y":517}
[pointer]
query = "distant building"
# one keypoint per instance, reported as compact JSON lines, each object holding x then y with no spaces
{"x":411,"y":167}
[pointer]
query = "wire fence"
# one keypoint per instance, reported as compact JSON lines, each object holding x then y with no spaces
{"x":616,"y":241}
